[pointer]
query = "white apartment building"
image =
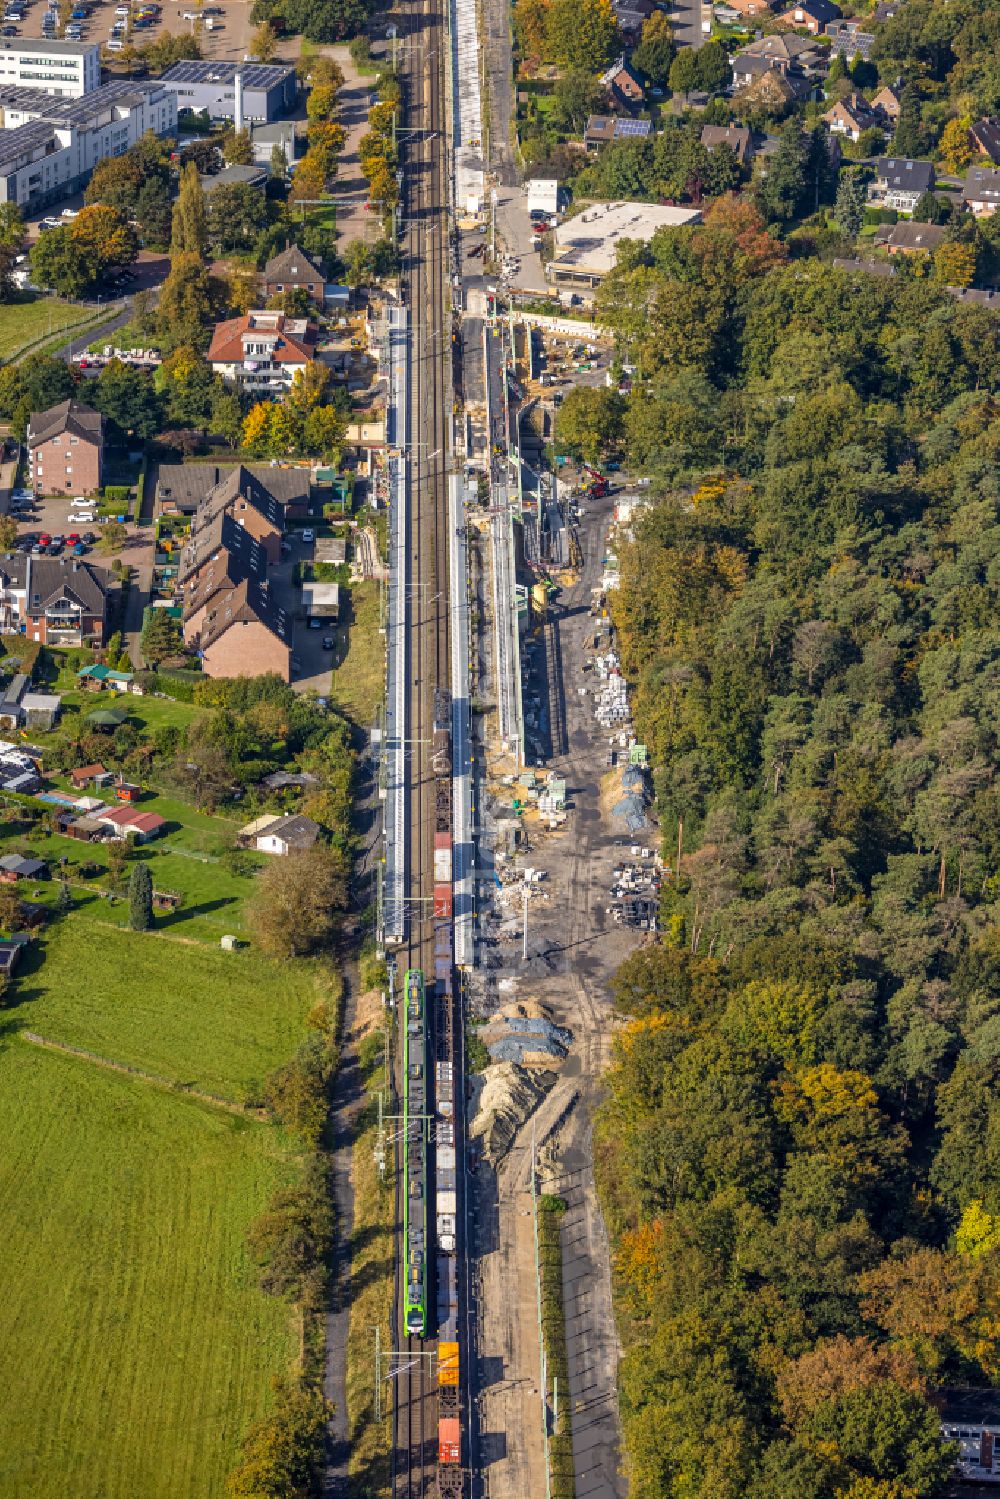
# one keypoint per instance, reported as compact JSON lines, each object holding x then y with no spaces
{"x":49,"y":147}
{"x":67,"y":69}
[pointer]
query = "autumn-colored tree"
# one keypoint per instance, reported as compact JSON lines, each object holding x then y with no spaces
{"x":955,"y":148}
{"x":326,"y":141}
{"x":106,"y":234}
{"x":264,"y":42}
{"x":298,"y":901}
{"x":531,"y":19}
{"x":834,"y":1115}
{"x":309,"y":182}
{"x":734,"y":241}
{"x":189,"y":230}
{"x":939,"y":1305}
{"x":840,"y":1364}
{"x":978,"y":1232}
{"x":283,"y":1454}
{"x":582,"y":33}
{"x":256,"y":428}
{"x":321,"y":102}
{"x":380,"y":118}
{"x":8,"y":532}
{"x":955,"y":263}
{"x":310,"y":387}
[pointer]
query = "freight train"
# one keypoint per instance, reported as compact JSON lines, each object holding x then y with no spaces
{"x":431,"y":1228}
{"x":415,"y":1225}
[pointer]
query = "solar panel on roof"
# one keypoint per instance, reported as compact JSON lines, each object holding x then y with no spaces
{"x":633,"y":127}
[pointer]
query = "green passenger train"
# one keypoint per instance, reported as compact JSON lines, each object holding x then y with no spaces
{"x":415,"y":1221}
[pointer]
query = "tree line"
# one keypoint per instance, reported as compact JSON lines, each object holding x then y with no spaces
{"x":799,"y":1155}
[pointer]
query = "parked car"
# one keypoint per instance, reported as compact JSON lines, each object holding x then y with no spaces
{"x":315,"y":624}
{"x":308,"y":534}
{"x":328,"y":642}
{"x":116,"y":45}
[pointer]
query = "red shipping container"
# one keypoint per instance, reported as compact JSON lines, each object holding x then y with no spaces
{"x":449,"y":1440}
{"x":442,"y":901}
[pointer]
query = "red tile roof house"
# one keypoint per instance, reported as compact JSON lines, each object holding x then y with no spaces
{"x":262,"y":352}
{"x":127,"y":822}
{"x":66,"y":449}
{"x":850,"y":116}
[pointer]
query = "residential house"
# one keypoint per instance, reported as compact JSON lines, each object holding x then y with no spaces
{"x":810,"y":15}
{"x":128,"y":822}
{"x":631,"y":16}
{"x":54,"y":600}
{"x":886,"y":10}
{"x":850,"y":40}
{"x":900,"y":182}
{"x":738,"y":138}
{"x":240,"y":500}
{"x":181,"y":487}
{"x":880,"y":268}
{"x":984,"y":137}
{"x":886,"y":103}
{"x":771,"y":91}
{"x":222,"y":566}
{"x":245,"y":632}
{"x":794,"y":58}
{"x":261,"y":352}
{"x":10,"y":953}
{"x":66,"y":449}
{"x":748,"y":9}
{"x":623,"y":85}
{"x":292,"y":270}
{"x":691,"y":21}
{"x":280,"y":835}
{"x":850,"y":116}
{"x":600,"y":129}
{"x":971,"y":1418}
{"x":910,"y":238}
{"x":981,"y":191}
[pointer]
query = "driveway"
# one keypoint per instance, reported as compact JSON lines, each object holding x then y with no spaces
{"x":314,"y":664}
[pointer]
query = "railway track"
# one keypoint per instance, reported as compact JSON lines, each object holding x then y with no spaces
{"x":425,"y":279}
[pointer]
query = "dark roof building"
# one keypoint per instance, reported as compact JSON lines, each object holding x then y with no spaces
{"x":981,"y":191}
{"x":850,"y":40}
{"x":600,"y":129}
{"x":181,"y":487}
{"x":814,"y":15}
{"x":70,"y":418}
{"x":911,"y":238}
{"x":985,"y":136}
{"x":737,"y":137}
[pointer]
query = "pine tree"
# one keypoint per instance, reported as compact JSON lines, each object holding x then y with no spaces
{"x":908,"y":135}
{"x":64,"y":900}
{"x":850,"y":207}
{"x":189,"y":228}
{"x":140,"y":897}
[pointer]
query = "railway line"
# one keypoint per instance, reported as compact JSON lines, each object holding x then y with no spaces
{"x":425,"y":1387}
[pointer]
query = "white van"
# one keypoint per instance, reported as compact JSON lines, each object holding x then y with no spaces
{"x":116,"y":45}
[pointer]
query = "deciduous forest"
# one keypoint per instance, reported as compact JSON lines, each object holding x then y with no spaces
{"x":800,"y":1150}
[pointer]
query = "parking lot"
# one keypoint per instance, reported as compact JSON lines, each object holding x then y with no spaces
{"x":223,"y":28}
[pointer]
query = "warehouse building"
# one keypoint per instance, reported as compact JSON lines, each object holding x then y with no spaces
{"x":49,"y":147}
{"x":67,"y":69}
{"x":251,"y":94}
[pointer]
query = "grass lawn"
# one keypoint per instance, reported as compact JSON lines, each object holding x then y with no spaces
{"x":359,"y":680}
{"x":215,"y":1020}
{"x":135,"y":1348}
{"x":26,"y":319}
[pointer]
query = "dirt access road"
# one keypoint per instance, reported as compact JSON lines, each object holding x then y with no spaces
{"x":574,"y":948}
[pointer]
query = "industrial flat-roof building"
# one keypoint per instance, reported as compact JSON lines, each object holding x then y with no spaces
{"x":66,"y":69}
{"x":50,"y":146}
{"x":251,"y":94}
{"x":587,"y":245}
